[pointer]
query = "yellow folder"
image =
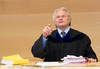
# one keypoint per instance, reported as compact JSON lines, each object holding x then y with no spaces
{"x":14,"y":59}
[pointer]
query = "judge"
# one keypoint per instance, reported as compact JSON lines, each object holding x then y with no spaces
{"x":56,"y":44}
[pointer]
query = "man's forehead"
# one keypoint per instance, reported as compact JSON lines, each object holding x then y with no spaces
{"x":61,"y":12}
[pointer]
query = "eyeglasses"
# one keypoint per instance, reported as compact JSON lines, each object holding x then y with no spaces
{"x":63,"y":16}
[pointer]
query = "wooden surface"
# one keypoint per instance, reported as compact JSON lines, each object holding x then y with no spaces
{"x":22,"y":22}
{"x":69,"y":66}
{"x":19,"y":32}
{"x":47,"y":6}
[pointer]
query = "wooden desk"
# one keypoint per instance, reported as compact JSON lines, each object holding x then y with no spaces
{"x":32,"y":65}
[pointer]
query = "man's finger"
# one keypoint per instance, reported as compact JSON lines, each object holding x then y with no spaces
{"x":49,"y":25}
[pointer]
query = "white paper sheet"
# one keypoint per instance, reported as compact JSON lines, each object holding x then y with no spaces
{"x":50,"y":64}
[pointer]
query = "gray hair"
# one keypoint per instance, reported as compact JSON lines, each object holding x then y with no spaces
{"x":62,"y":8}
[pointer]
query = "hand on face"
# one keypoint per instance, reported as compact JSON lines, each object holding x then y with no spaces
{"x":47,"y":31}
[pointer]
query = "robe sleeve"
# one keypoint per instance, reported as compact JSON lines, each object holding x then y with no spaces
{"x":37,"y":48}
{"x":89,"y":51}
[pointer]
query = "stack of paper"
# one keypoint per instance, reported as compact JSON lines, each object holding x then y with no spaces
{"x":74,"y":59}
{"x":14,"y":59}
{"x":50,"y":64}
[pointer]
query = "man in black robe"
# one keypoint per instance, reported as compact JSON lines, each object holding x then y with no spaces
{"x":56,"y":44}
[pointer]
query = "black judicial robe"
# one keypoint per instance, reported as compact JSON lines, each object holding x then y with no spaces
{"x":74,"y":43}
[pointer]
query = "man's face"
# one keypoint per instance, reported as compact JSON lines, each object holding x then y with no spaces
{"x":61,"y":19}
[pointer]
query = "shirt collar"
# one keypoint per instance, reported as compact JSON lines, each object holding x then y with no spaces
{"x":66,"y":31}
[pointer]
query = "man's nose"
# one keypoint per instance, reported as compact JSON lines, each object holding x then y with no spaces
{"x":61,"y":17}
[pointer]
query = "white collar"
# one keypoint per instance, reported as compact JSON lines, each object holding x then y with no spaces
{"x":66,"y":31}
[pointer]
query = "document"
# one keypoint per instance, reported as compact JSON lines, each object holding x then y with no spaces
{"x":74,"y":59}
{"x":50,"y":63}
